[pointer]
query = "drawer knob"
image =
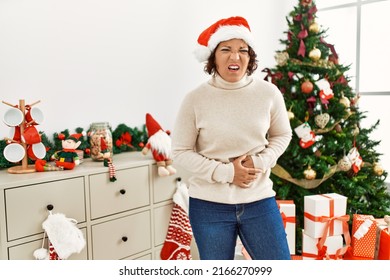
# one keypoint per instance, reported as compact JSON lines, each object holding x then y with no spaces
{"x":124,"y":238}
{"x":122,"y":191}
{"x":50,"y":207}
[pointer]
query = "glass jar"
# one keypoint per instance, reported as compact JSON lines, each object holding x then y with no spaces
{"x":100,"y":138}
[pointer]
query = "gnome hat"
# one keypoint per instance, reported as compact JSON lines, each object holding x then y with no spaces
{"x":152,"y":125}
{"x":223,"y":30}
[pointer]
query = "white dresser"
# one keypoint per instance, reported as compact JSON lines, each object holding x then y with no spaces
{"x":125,"y":219}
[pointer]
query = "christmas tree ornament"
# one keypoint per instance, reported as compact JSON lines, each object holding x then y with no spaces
{"x":307,"y":87}
{"x":281,"y":58}
{"x":306,"y":3}
{"x":314,"y":27}
{"x":317,"y":153}
{"x":338,"y":128}
{"x":306,"y":135}
{"x":356,"y":159}
{"x":322,"y":120}
{"x":315,"y":54}
{"x":345,"y":101}
{"x":326,"y":91}
{"x":309,"y":173}
{"x":355,"y":130}
{"x":290,"y":115}
{"x":177,"y":245}
{"x":344,"y":164}
{"x":378,"y":169}
{"x":355,"y":100}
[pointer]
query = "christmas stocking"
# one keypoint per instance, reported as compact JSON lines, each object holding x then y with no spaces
{"x":179,"y":235}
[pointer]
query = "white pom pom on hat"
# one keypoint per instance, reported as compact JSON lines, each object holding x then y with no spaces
{"x":223,"y":30}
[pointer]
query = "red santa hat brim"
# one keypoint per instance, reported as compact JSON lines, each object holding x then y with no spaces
{"x":222,"y":30}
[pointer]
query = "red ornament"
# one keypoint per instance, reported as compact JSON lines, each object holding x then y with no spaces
{"x":141,"y":145}
{"x":306,"y":2}
{"x":307,"y":87}
{"x":61,"y":136}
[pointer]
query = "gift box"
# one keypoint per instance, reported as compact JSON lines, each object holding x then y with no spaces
{"x":330,"y":249}
{"x":363,"y":236}
{"x":382,"y":246}
{"x":324,"y":214}
{"x":287,"y":210}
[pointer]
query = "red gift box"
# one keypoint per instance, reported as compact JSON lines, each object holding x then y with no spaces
{"x":382,"y":246}
{"x":363,"y":236}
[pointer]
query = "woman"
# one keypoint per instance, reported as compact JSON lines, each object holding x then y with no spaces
{"x":229,"y":133}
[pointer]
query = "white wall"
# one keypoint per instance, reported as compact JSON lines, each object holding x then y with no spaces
{"x":116,"y":60}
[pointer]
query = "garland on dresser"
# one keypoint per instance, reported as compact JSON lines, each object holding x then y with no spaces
{"x":125,"y":138}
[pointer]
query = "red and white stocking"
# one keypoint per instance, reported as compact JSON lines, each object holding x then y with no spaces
{"x":177,"y":245}
{"x":53,"y":256}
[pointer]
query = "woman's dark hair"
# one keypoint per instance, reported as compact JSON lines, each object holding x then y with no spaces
{"x":211,"y":68}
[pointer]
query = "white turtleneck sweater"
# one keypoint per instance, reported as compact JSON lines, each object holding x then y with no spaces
{"x":220,"y":121}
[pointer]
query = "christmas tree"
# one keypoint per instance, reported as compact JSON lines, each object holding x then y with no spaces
{"x":329,"y":152}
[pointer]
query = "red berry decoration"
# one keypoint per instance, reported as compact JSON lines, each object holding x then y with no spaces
{"x":307,"y":87}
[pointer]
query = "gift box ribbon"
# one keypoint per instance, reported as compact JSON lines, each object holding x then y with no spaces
{"x":321,"y":255}
{"x":286,"y":219}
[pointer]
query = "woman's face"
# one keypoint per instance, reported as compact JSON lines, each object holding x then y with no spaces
{"x":231,"y":59}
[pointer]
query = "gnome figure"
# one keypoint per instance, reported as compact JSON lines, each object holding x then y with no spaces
{"x":159,"y":143}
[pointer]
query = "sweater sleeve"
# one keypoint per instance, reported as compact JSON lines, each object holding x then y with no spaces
{"x":279,"y":135}
{"x":184,"y":136}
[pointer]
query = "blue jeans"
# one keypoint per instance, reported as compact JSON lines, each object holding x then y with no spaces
{"x":258,"y":224}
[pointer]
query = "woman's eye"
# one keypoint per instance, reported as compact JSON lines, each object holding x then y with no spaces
{"x":244,"y":51}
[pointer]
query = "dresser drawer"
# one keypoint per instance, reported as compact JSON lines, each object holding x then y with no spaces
{"x":26,"y":207}
{"x":129,"y":191}
{"x":163,"y":187}
{"x":25,"y":251}
{"x":123,"y":237}
{"x":162,"y":215}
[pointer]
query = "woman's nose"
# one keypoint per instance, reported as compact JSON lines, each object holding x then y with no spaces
{"x":235,"y":55}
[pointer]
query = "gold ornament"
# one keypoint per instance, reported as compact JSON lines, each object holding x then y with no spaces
{"x":345,"y":101}
{"x":378,"y":170}
{"x":281,"y":58}
{"x":315,"y":54}
{"x":344,"y":164}
{"x":322,"y":120}
{"x":355,"y":131}
{"x":309,"y":173}
{"x":314,"y":27}
{"x":290,"y":115}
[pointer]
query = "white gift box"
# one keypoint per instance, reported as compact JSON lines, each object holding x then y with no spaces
{"x":287,"y":210}
{"x":310,"y":250}
{"x":322,"y":211}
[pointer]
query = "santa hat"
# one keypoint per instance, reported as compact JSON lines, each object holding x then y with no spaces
{"x":223,"y":30}
{"x":152,"y":125}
